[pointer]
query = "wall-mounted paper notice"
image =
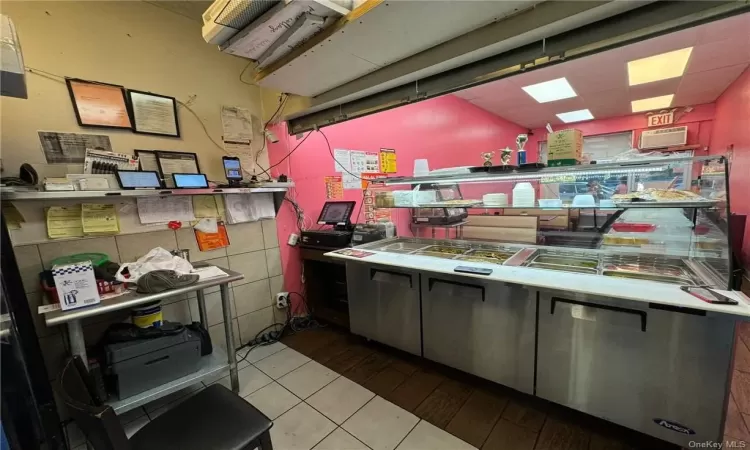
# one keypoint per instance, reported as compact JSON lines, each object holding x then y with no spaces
{"x":64,"y":222}
{"x":165,"y":209}
{"x":99,"y":219}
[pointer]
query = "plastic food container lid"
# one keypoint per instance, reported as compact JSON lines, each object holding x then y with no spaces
{"x":97,"y":259}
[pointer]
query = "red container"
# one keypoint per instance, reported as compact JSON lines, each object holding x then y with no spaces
{"x":634,"y":227}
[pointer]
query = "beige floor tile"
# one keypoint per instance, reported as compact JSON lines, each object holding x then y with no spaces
{"x":252,"y":379}
{"x":380,"y":424}
{"x":273,"y":400}
{"x":304,"y":381}
{"x":340,"y":440}
{"x":426,"y":436}
{"x":262,"y":351}
{"x":300,"y":428}
{"x":340,"y":399}
{"x":281,"y":363}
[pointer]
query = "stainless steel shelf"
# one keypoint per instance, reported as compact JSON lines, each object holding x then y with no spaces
{"x":439,"y":225}
{"x":15,"y":193}
{"x":633,"y":166}
{"x":133,"y":299}
{"x":211,"y":366}
{"x":631,"y":205}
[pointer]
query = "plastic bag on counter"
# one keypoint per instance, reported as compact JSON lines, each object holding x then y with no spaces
{"x":157,"y":259}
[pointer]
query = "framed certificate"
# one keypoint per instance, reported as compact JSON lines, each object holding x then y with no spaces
{"x":176,"y":162}
{"x":153,"y":114}
{"x":99,"y":104}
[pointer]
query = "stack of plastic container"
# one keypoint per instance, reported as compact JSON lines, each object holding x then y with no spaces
{"x":524,"y":196}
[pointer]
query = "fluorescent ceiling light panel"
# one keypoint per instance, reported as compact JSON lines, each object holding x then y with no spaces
{"x":658,"y":67}
{"x":549,"y":91}
{"x":649,"y":104}
{"x":576,"y":116}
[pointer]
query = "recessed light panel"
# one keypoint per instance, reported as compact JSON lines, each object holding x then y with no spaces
{"x":649,"y":104}
{"x":576,"y":116}
{"x":658,"y":67}
{"x":549,"y":91}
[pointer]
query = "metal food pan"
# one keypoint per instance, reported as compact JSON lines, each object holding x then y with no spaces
{"x":661,"y":270}
{"x":480,"y":259}
{"x":401,"y":247}
{"x":563,"y":268}
{"x":434,"y":254}
{"x":566,"y":261}
{"x":491,"y":254}
{"x":648,"y":277}
{"x":445,"y":249}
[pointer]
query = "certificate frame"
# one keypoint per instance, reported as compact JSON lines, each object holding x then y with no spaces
{"x":162,"y":155}
{"x":118,"y":102}
{"x":132,"y":109}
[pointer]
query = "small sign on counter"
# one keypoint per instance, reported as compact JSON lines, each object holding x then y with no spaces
{"x":76,"y":285}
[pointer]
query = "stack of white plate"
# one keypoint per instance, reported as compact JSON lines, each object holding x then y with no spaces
{"x":495,"y":200}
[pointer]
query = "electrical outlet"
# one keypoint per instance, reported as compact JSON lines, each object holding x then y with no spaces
{"x":282,"y":300}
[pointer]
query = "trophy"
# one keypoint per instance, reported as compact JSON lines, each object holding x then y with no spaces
{"x":487,"y":158}
{"x":505,"y":155}
{"x":521,"y":140}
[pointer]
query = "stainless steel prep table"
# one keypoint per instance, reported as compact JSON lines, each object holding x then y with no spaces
{"x":211,"y":366}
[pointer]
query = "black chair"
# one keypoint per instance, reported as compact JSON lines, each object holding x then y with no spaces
{"x":214,"y":419}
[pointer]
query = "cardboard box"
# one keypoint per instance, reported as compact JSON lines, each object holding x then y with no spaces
{"x":76,"y":285}
{"x":564,"y":147}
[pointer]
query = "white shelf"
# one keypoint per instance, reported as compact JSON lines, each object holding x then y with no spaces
{"x":17,"y":193}
{"x":211,"y":365}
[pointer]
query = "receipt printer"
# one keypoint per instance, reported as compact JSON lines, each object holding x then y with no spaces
{"x":138,"y":365}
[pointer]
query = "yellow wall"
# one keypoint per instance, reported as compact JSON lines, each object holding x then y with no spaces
{"x":131,"y":43}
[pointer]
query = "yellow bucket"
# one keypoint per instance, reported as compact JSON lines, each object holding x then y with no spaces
{"x":148,"y":315}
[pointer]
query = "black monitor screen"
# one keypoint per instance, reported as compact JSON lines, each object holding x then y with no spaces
{"x":336,"y":213}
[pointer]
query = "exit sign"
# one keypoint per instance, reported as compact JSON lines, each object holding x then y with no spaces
{"x":657,"y":120}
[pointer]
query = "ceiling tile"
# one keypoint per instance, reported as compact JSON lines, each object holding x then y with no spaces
{"x":718,"y":54}
{"x":711,"y":79}
{"x":655,"y":89}
{"x":659,"y":45}
{"x":734,"y":27}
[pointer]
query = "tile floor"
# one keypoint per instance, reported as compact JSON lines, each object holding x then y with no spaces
{"x":328,"y":390}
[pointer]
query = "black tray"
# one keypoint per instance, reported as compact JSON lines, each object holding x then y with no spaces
{"x":507,"y":168}
{"x":531,"y":166}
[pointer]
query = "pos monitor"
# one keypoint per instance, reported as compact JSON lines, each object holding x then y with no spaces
{"x":336,"y":213}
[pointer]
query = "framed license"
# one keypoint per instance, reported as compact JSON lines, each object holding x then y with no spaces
{"x":176,"y":162}
{"x":99,"y":104}
{"x":153,"y":114}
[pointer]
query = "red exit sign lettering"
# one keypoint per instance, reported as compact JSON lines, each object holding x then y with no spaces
{"x":656,"y":120}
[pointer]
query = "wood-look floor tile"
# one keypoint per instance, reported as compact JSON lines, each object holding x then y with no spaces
{"x":404,"y":366}
{"x":330,"y":351}
{"x":414,"y":390}
{"x":509,"y":436}
{"x":385,"y":381}
{"x":368,"y":368}
{"x":559,"y":435}
{"x":348,"y":358}
{"x":741,"y":356}
{"x":443,"y":403}
{"x":741,"y":390}
{"x":736,"y":424}
{"x":476,"y":418}
{"x":308,"y":341}
{"x":524,"y":415}
{"x":599,"y":442}
{"x":743,"y":331}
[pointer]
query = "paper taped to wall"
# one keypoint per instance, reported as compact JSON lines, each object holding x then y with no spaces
{"x":249,"y":208}
{"x":236,"y":124}
{"x":70,"y":148}
{"x":64,"y":222}
{"x":165,"y":209}
{"x":99,"y":219}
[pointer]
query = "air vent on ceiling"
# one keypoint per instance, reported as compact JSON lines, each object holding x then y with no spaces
{"x":663,"y":137}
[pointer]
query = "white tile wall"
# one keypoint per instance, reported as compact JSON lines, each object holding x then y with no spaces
{"x":244,"y":237}
{"x":273,"y":260}
{"x":252,"y":296}
{"x":270,"y":235}
{"x":252,"y":265}
{"x":106,"y":245}
{"x":133,"y":246}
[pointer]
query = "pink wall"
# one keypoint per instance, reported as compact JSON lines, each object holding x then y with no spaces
{"x":732,"y":129}
{"x":699,"y":123}
{"x":448,"y":130}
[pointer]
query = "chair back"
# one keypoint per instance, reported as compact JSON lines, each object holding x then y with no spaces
{"x":97,"y":422}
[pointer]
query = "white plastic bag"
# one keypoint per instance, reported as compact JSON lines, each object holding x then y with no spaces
{"x":157,"y":259}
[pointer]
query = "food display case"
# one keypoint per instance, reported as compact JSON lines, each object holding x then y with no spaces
{"x":658,"y":214}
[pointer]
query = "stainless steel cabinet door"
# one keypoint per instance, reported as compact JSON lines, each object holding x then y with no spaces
{"x":656,"y":369}
{"x":384,"y":305}
{"x":483,"y":328}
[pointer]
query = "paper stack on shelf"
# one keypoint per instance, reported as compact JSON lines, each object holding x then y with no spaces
{"x":249,"y":208}
{"x":165,"y":209}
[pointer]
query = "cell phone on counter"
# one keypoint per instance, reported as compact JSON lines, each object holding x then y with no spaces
{"x":232,"y":168}
{"x":709,"y":296}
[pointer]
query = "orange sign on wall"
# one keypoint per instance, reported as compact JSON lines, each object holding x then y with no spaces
{"x":212,"y":241}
